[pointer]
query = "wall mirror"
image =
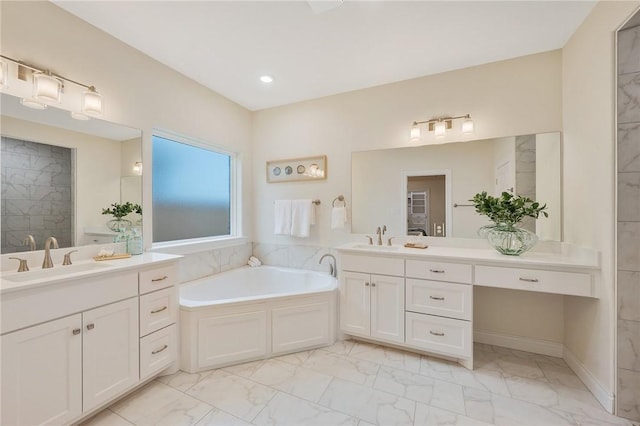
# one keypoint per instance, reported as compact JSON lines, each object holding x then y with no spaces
{"x":58,"y":174}
{"x":425,"y":190}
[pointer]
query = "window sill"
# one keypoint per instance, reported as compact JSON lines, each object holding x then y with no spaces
{"x":194,"y":246}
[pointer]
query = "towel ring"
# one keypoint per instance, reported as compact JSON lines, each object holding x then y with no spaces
{"x":338,"y":198}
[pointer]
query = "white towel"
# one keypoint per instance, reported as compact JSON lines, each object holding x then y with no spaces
{"x":282,"y":217}
{"x":338,"y":217}
{"x":301,"y":217}
{"x":254,"y":262}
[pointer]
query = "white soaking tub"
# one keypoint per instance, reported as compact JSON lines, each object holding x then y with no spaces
{"x":253,"y":313}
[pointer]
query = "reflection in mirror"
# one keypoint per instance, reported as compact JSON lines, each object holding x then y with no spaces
{"x":59,"y":173}
{"x":426,"y":190}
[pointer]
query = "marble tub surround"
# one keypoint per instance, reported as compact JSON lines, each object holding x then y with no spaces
{"x":628,"y":224}
{"x":210,"y":262}
{"x":359,"y":384}
{"x":293,"y":256}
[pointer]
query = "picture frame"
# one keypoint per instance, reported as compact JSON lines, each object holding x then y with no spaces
{"x":297,"y":169}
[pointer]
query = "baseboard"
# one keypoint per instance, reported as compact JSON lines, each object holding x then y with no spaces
{"x":604,"y":397}
{"x":526,"y":344}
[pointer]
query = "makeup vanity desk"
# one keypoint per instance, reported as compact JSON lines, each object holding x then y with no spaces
{"x":422,"y":299}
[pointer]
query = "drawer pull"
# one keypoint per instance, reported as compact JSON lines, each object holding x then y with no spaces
{"x":437,"y":271}
{"x":90,"y":326}
{"x":164,"y":308}
{"x":373,"y":284}
{"x":366,"y":284}
{"x":436,"y":297}
{"x":157,"y":351}
{"x":529,"y":280}
{"x":436,"y":333}
{"x":76,"y":331}
{"x":155,"y":280}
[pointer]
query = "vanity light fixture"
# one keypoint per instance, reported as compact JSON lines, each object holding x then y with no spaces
{"x":439,"y":126}
{"x":48,"y":87}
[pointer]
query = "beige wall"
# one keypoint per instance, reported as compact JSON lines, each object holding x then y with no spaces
{"x":589,"y":210}
{"x":138,"y":91}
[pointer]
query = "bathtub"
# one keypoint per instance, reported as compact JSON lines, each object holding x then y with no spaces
{"x":253,"y":313}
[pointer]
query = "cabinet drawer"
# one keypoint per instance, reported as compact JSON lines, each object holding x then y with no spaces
{"x":157,"y":351}
{"x":571,"y":283}
{"x":158,"y":278}
{"x":373,"y":264}
{"x":439,"y":271}
{"x":439,"y":298}
{"x":157,"y":310}
{"x":441,"y":335}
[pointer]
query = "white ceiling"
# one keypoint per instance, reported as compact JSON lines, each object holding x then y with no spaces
{"x":227,"y":45}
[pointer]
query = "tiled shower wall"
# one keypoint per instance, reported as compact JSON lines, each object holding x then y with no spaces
{"x":628,"y":241}
{"x":36,"y":194}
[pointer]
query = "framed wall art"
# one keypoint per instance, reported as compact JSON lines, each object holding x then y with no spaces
{"x":297,"y":169}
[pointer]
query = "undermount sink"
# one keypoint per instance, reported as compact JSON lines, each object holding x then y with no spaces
{"x":370,"y":247}
{"x":54,"y":272}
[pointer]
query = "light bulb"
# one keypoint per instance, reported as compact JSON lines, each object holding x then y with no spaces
{"x":467,"y":126}
{"x":440,"y":129}
{"x":91,"y":102}
{"x":46,"y":87}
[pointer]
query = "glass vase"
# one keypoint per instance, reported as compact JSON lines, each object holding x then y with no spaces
{"x":511,"y":240}
{"x":117,"y":224}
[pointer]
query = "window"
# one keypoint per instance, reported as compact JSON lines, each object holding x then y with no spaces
{"x":191,"y":192}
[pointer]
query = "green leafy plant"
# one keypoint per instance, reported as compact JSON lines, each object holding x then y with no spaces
{"x":507,"y":209}
{"x":120,"y":210}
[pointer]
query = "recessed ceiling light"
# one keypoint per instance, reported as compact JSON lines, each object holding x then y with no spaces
{"x":266,"y":78}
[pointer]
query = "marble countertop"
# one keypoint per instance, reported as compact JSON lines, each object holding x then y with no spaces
{"x":82,"y":269}
{"x":567,"y":257}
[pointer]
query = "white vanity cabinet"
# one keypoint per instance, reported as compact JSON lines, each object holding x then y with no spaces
{"x":76,"y":347}
{"x":372,"y":304}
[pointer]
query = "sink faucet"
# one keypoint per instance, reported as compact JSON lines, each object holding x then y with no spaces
{"x":47,"y":262}
{"x":29,"y":241}
{"x":332,"y":267}
{"x":380,"y":232}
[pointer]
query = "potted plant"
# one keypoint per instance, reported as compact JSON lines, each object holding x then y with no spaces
{"x":506,"y":211}
{"x":119,"y":211}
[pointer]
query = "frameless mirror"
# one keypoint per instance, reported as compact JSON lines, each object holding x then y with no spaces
{"x":58,"y":174}
{"x":426,"y":190}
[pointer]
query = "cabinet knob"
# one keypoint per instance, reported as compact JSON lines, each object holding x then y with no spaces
{"x":436,"y":297}
{"x":436,"y":333}
{"x":373,"y":284}
{"x":437,"y":271}
{"x":157,"y":351}
{"x":366,"y":284}
{"x":154,"y":280}
{"x":164,"y":308}
{"x":529,"y":280}
{"x":91,"y":326}
{"x":76,"y":331}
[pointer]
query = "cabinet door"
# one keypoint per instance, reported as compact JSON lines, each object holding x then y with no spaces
{"x":355,"y":304}
{"x":42,"y":373}
{"x":387,"y":308}
{"x":110,"y":351}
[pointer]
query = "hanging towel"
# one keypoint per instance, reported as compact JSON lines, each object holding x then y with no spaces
{"x":282,"y":217}
{"x":301,"y":217}
{"x":338,"y":217}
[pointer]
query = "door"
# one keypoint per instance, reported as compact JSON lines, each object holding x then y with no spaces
{"x":387,"y":308}
{"x":42,"y":373}
{"x":355,"y":303}
{"x":110,"y":351}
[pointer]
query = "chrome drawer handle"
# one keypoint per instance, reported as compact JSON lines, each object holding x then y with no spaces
{"x":164,"y":308}
{"x":436,"y":297}
{"x":529,"y":280}
{"x":437,"y":271}
{"x":76,"y":331}
{"x":159,"y":279}
{"x":90,"y":326}
{"x":157,"y":351}
{"x":436,"y":333}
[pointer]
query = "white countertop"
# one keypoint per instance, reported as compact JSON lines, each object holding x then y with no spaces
{"x":105,"y":267}
{"x":567,"y":257}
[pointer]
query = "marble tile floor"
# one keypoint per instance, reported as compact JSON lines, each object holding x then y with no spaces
{"x":360,"y":384}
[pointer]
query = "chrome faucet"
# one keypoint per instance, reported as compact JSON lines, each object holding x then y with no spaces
{"x":47,"y":262}
{"x":29,"y":241}
{"x":332,"y":268}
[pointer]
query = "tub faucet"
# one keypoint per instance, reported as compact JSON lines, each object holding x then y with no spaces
{"x":29,"y":241}
{"x":47,"y":262}
{"x":332,"y":267}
